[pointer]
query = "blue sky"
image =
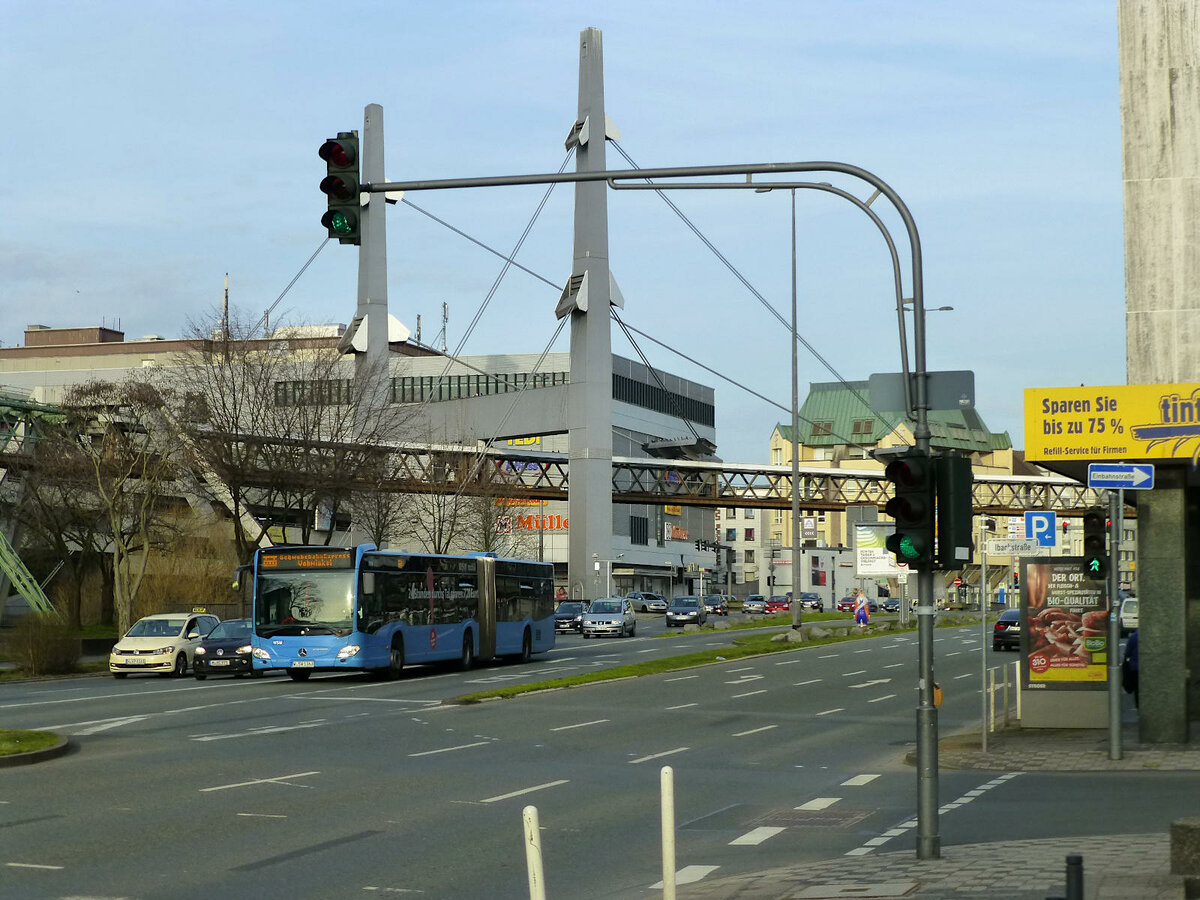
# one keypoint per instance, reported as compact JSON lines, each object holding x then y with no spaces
{"x":152,"y":147}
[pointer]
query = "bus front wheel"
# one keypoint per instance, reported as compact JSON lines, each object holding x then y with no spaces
{"x":468,"y":654}
{"x":526,"y":647}
{"x":395,"y":660}
{"x":299,"y":674}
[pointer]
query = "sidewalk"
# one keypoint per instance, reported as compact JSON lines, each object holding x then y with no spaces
{"x":1116,"y":867}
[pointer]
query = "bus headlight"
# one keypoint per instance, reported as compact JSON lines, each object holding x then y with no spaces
{"x":260,"y":653}
{"x":348,"y":651}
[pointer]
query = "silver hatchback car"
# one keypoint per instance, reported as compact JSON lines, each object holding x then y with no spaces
{"x":610,"y":615}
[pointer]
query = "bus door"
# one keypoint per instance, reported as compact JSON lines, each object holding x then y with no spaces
{"x":485,"y":616}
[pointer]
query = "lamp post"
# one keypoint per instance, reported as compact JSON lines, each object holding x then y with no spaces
{"x":985,"y":525}
{"x":607,"y":571}
{"x":670,"y":580}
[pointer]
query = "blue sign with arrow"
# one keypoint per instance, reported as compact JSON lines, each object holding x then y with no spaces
{"x":1127,"y":476}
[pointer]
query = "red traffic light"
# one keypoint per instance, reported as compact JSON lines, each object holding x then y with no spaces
{"x":337,"y":153}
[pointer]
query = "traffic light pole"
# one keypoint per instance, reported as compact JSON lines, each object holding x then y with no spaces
{"x":1116,"y":508}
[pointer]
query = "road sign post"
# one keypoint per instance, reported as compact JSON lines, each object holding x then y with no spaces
{"x":1121,"y":476}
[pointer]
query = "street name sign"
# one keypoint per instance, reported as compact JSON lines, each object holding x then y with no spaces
{"x":1131,"y":476}
{"x":1015,"y":548}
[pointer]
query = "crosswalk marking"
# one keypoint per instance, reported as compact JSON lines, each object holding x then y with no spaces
{"x":755,"y":837}
{"x":818,"y":803}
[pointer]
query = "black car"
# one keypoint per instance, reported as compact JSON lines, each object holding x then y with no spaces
{"x":1007,"y":632}
{"x":569,"y":616}
{"x":891,"y":605}
{"x":686,"y":611}
{"x":226,"y":650}
{"x":716,"y":605}
{"x":811,"y":600}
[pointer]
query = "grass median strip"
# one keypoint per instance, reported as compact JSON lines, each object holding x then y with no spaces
{"x":742,"y":648}
{"x":12,"y":742}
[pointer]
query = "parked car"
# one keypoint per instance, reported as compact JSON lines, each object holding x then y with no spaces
{"x":162,"y":644}
{"x":225,"y":650}
{"x":648,"y":601}
{"x":891,"y":605}
{"x":569,"y":616}
{"x":716,"y":605}
{"x":686,"y":611}
{"x":1006,"y":633}
{"x":1127,"y":616}
{"x":846,"y":604}
{"x":611,"y":615}
{"x":778,"y":603}
{"x":812,"y":600}
{"x":754,"y":603}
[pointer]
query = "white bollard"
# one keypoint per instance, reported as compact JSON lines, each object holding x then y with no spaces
{"x":533,"y":854}
{"x":668,"y":832}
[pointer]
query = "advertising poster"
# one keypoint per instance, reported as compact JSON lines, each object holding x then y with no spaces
{"x":872,"y":558}
{"x":1064,"y":634}
{"x":1119,"y":422}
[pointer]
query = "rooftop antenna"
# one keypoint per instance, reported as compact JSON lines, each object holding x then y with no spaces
{"x":225,"y":311}
{"x":418,"y":328}
{"x":445,"y":319}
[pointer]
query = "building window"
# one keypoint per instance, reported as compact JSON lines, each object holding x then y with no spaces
{"x":749,"y":558}
{"x":863,"y":426}
{"x":639,"y":530}
{"x":776,"y":456}
{"x":731,"y":534}
{"x":820,"y":428}
{"x":731,"y":512}
{"x":749,"y":534}
{"x":748,"y":513}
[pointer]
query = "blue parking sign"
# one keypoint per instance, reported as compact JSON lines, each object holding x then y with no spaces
{"x":1040,"y":527}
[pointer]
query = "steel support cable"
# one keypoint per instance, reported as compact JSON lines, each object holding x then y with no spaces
{"x":758,"y":295}
{"x":266,"y":316}
{"x":662,"y":344}
{"x":670,"y":394}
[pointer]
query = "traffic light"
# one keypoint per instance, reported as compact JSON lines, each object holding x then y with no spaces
{"x":698,"y":546}
{"x":911,"y":507}
{"x":340,"y":185}
{"x":955,"y":511}
{"x":1095,"y":554}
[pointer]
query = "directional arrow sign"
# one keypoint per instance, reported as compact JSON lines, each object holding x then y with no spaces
{"x":871,"y":683}
{"x":1129,"y":476}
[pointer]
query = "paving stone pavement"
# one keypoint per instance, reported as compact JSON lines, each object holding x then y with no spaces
{"x":1116,"y":867}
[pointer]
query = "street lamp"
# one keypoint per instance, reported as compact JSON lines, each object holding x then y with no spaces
{"x":608,"y":570}
{"x":985,"y":525}
{"x":670,"y":580}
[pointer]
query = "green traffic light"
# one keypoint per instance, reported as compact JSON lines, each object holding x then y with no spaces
{"x":907,"y":548}
{"x":340,"y":223}
{"x":1094,"y":565}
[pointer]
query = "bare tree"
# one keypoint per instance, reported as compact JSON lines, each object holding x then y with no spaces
{"x":131,"y":460}
{"x":284,"y":426}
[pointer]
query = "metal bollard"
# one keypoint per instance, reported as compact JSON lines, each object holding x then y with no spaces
{"x":1074,"y":879}
{"x":533,"y":854}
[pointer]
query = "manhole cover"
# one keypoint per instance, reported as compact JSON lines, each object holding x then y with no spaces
{"x":839,"y":891}
{"x":824,"y":818}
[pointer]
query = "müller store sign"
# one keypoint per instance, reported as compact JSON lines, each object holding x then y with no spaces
{"x":509,"y":524}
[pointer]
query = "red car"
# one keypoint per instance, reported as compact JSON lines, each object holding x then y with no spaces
{"x":778,"y":604}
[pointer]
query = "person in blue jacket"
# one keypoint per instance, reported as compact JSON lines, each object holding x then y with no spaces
{"x":1129,"y":668}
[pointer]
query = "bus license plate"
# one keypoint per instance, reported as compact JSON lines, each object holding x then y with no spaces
{"x":303,"y":664}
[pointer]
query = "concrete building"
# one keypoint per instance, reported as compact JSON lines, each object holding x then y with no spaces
{"x":508,"y":398}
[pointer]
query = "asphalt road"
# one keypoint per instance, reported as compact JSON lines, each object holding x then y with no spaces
{"x":343,"y":787}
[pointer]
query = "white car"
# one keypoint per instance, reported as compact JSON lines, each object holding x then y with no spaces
{"x":1128,"y":615}
{"x":163,"y":644}
{"x":611,"y":615}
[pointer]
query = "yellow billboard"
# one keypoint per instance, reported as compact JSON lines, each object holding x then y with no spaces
{"x":1119,"y":422}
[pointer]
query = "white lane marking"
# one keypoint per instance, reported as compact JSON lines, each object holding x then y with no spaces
{"x":828,"y":656}
{"x":256,"y":732}
{"x":687,"y":875}
{"x":909,"y":824}
{"x":859,"y":779}
{"x":683,"y":706}
{"x":810,"y":681}
{"x":868,"y":650}
{"x":98,"y":725}
{"x":884,"y":697}
{"x":745,"y":679}
{"x":634,"y":762}
{"x":966,"y":675}
{"x":755,"y":837}
{"x":278,"y":779}
{"x":748,"y":694}
{"x":580,"y":725}
{"x":529,"y":790}
{"x":894,"y":666}
{"x":835,"y":709}
{"x":681,"y":678}
{"x":261,"y":816}
{"x":955,"y":653}
{"x":789,"y":662}
{"x":818,"y":803}
{"x":450,"y":749}
{"x":650,"y":650}
{"x":31,"y":866}
{"x":753,"y":731}
{"x":742,"y":669}
{"x":859,"y":672}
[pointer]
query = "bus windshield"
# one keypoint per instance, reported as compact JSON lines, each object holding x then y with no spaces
{"x":305,"y":602}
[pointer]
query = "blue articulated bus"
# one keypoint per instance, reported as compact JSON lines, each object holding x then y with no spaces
{"x":330,"y":609}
